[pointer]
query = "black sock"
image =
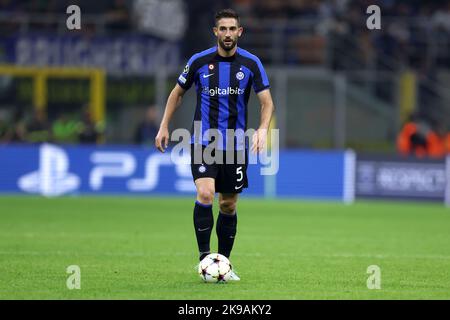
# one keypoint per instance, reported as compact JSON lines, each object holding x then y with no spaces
{"x":226,"y":231}
{"x":203,"y":223}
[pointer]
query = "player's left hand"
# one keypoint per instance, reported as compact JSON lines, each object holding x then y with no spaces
{"x":259,"y":140}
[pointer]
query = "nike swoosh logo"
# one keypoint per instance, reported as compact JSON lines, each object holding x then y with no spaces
{"x":207,"y":75}
{"x":237,"y":188}
{"x":202,"y":229}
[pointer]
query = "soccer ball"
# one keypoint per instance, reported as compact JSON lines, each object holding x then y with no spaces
{"x":215,"y":268}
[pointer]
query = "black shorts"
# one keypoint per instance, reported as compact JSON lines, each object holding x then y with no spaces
{"x":229,"y":177}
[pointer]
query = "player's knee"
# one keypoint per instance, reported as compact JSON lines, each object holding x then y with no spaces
{"x":205,"y":195}
{"x":227,"y":206}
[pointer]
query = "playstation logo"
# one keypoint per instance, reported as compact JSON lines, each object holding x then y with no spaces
{"x":52,"y":178}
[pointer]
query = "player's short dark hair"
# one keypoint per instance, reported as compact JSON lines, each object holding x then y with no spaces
{"x":227,"y":13}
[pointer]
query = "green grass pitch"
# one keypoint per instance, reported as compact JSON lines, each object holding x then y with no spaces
{"x":145,"y":248}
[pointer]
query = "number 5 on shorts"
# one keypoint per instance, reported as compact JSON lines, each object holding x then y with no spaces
{"x":240,"y":173}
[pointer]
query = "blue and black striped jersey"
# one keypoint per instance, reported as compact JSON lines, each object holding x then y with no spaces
{"x":223,"y":87}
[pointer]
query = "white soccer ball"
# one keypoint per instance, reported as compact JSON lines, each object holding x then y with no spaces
{"x":215,"y":268}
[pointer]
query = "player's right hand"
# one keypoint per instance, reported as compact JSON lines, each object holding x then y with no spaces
{"x":162,"y":139}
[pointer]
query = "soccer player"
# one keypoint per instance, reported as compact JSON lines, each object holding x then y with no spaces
{"x":223,"y":77}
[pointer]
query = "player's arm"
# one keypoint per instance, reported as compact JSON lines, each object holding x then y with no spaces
{"x":173,"y":102}
{"x":267,"y":109}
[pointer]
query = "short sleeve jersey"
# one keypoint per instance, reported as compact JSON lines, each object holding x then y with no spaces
{"x":223,"y":86}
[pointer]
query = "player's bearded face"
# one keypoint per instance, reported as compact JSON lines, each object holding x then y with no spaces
{"x":227,"y":43}
{"x":228,"y":33}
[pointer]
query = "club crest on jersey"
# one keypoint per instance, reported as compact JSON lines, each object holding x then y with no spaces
{"x":240,"y":75}
{"x":211,"y":67}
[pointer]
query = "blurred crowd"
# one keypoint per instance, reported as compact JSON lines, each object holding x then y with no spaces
{"x":146,"y":131}
{"x":36,"y":128}
{"x":292,"y":9}
{"x":423,"y":137}
{"x":115,"y":13}
{"x":66,"y":128}
{"x":403,"y":40}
